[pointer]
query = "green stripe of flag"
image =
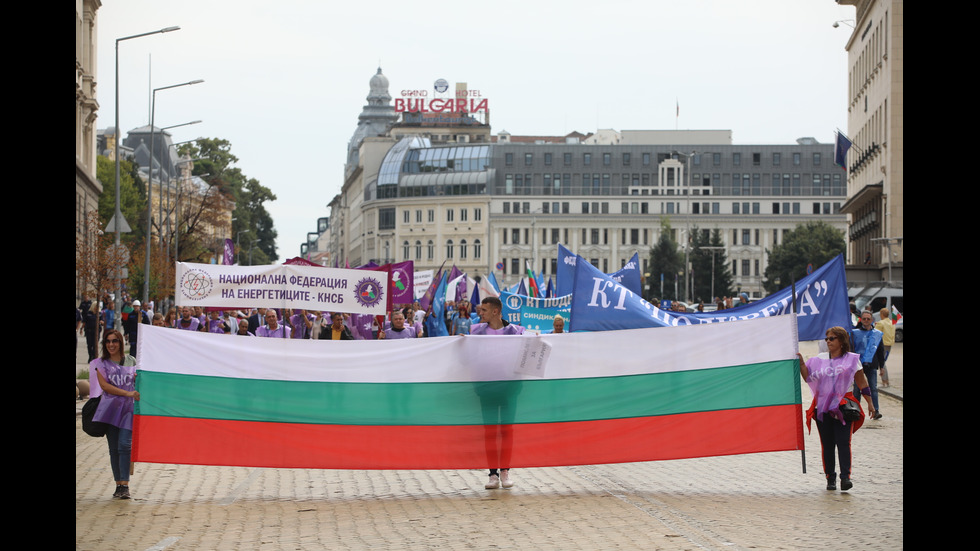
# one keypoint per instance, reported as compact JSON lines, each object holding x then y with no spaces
{"x":468,"y":403}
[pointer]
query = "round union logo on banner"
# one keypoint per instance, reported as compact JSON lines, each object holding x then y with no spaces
{"x":368,"y":292}
{"x":514,"y":302}
{"x":196,"y":284}
{"x":441,"y":85}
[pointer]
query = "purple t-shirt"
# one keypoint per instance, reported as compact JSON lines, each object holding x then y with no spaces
{"x":407,"y":332}
{"x":830,"y":379}
{"x":116,"y":410}
{"x":485,"y":329}
{"x":194,"y":324}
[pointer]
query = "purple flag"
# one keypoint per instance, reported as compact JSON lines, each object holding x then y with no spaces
{"x":430,"y":293}
{"x":229,"y":256}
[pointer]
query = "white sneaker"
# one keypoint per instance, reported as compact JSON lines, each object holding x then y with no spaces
{"x":505,"y":480}
{"x":494,"y":482}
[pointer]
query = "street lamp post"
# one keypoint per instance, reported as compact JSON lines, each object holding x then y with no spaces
{"x":149,"y":186}
{"x":118,"y":212}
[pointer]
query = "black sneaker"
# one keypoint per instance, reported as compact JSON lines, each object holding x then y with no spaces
{"x":831,"y":482}
{"x":116,"y":493}
{"x":845,"y":485}
{"x":123,"y":492}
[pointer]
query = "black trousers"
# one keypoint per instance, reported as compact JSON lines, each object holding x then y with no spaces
{"x":834,"y":435}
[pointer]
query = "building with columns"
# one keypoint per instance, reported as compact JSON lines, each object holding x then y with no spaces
{"x":434,"y":192}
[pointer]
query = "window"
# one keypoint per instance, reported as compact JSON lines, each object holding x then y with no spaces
{"x":477,"y":249}
{"x":545,"y":208}
{"x":745,"y":267}
{"x":737,"y":159}
{"x":816,"y":159}
{"x":735,"y":207}
{"x":776,"y":159}
{"x":515,"y":265}
{"x":515,"y":236}
{"x":406,"y":249}
{"x":406,"y":216}
{"x":432,"y":215}
{"x":528,"y":159}
{"x":506,"y":207}
{"x":606,"y":159}
{"x":734,"y":267}
{"x":595,"y":237}
{"x":757,"y":232}
{"x":756,"y":266}
{"x":477,"y":214}
{"x":449,"y":216}
{"x":386,"y":219}
{"x":567,"y":158}
{"x":746,"y":237}
{"x":716,"y":159}
{"x":431,"y":250}
{"x":646,"y":159}
{"x":418,"y":250}
{"x":756,"y":159}
{"x":585,"y":208}
{"x":463,"y":215}
{"x":626,"y":159}
{"x":449,"y":249}
{"x":796,"y":159}
{"x":509,"y":159}
{"x":587,"y":159}
{"x":462,"y":249}
{"x":547,"y":159}
{"x":418,"y":216}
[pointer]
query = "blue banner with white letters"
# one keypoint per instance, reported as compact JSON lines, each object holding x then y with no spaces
{"x":514,"y":303}
{"x":629,"y":275}
{"x":601,"y":304}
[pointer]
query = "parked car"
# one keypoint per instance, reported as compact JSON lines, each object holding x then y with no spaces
{"x":898,"y":331}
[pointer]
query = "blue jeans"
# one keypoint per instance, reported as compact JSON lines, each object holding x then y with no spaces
{"x":120,"y":448}
{"x":872,"y":376}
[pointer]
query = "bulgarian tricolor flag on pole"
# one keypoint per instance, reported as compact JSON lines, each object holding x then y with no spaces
{"x":532,"y":282}
{"x":572,"y":399}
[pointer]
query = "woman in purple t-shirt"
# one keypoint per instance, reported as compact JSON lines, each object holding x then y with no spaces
{"x":830,"y":379}
{"x":117,"y":377}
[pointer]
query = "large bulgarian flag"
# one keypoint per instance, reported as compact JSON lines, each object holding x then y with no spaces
{"x":469,"y":402}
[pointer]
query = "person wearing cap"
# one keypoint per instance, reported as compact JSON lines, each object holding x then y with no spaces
{"x":131,"y":325}
{"x":743,"y":298}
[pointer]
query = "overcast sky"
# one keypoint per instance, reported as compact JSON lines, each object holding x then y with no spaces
{"x":286,"y":80}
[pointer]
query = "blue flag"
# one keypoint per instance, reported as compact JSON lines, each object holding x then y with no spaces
{"x":600,"y":304}
{"x":435,"y":323}
{"x":841,"y":146}
{"x":629,"y":275}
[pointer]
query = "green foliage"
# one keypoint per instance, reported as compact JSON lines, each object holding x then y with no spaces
{"x":664,"y":259}
{"x":701,"y":267}
{"x":252,"y":220}
{"x":132,"y":196}
{"x":814,"y":242}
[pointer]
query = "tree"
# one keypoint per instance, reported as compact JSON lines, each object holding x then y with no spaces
{"x":666,"y":261}
{"x":132,"y":197}
{"x":701,"y":265}
{"x":97,"y":259}
{"x":813,"y":243}
{"x":250,"y":216}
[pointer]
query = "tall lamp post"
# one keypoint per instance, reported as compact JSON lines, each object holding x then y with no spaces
{"x":149,"y":186}
{"x":117,"y":216}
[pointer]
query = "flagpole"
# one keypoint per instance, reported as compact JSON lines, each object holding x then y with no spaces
{"x":802,"y":451}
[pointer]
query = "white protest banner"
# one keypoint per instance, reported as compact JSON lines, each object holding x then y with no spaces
{"x":282,"y":286}
{"x":423,"y":279}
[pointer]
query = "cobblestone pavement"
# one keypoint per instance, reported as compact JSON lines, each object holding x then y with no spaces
{"x":756,"y":501}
